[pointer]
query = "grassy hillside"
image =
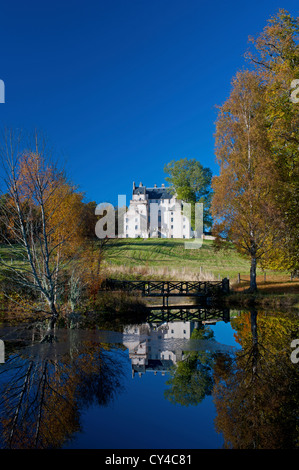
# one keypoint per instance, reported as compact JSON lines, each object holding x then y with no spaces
{"x":169,"y":259}
{"x":157,"y":258}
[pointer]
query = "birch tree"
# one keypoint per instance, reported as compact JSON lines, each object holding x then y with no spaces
{"x":276,"y":59}
{"x":39,"y":217}
{"x":243,"y":207}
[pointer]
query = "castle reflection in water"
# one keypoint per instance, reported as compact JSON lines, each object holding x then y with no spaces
{"x":156,"y":347}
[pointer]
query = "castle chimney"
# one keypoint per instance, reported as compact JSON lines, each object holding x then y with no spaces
{"x":163,"y":185}
{"x":155,"y":185}
{"x":140,"y":185}
{"x":134,"y":186}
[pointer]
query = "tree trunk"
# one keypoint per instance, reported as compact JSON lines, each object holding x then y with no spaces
{"x":50,"y":333}
{"x":253,"y":285}
{"x":255,"y":351}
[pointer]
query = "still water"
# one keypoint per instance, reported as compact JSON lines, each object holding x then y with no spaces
{"x":224,"y":379}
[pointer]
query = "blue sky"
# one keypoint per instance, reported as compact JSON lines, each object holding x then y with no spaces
{"x":121,"y":87}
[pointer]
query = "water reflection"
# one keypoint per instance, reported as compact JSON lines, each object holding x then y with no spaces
{"x":45,"y":387}
{"x":256,"y":390}
{"x":163,"y":341}
{"x":155,"y":347}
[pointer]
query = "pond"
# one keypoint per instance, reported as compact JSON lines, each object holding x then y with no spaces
{"x":185,"y":380}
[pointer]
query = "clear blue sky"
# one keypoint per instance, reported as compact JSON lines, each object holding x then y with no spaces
{"x":122,"y":87}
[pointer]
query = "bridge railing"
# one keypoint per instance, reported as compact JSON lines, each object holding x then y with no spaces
{"x":187,"y":313}
{"x":168,"y":288}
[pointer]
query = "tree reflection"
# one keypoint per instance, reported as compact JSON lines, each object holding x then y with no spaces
{"x":44,"y":389}
{"x":256,"y":390}
{"x":191,"y":380}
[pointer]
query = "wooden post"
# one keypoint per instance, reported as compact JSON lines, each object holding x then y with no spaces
{"x":225,"y":285}
{"x":239,"y":278}
{"x":226,"y":315}
{"x":265,"y":276}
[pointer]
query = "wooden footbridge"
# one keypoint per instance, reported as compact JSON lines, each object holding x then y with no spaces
{"x":170,"y":288}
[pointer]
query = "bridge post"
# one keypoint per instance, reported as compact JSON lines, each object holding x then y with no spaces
{"x":225,"y":285}
{"x":226,"y":315}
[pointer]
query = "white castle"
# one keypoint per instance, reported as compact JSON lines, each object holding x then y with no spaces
{"x":155,"y":212}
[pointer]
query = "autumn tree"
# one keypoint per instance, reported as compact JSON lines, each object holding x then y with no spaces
{"x":276,"y":59}
{"x":243,"y":207}
{"x":89,"y":219}
{"x":42,"y":212}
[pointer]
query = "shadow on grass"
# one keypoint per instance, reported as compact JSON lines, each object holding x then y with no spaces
{"x":273,"y":287}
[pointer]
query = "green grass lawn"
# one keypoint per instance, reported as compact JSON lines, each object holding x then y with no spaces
{"x":167,"y":259}
{"x":11,"y":258}
{"x":158,"y":254}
